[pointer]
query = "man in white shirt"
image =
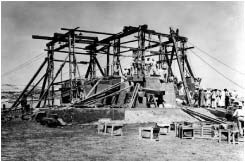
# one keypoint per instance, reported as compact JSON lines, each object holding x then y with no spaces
{"x":148,"y":66}
{"x":239,"y":115}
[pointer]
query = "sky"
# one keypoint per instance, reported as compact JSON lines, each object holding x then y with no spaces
{"x":215,"y":27}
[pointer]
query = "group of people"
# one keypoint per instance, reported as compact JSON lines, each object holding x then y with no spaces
{"x":213,"y":98}
{"x":222,"y":98}
{"x":151,"y":68}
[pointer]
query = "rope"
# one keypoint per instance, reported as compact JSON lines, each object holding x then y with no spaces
{"x":191,"y":65}
{"x":217,"y":71}
{"x":25,"y":64}
{"x":233,"y":69}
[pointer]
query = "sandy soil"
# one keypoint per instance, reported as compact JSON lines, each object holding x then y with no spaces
{"x":30,"y":141}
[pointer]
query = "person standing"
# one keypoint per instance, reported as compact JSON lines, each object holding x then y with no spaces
{"x":213,"y":99}
{"x":148,"y":66}
{"x":227,"y":99}
{"x":239,"y":118}
{"x":23,"y":103}
{"x":195,"y":97}
{"x":165,"y":71}
{"x":199,"y":97}
{"x":153,"y":67}
{"x":218,"y":96}
{"x":222,"y":99}
{"x":208,"y":98}
{"x":203,"y":96}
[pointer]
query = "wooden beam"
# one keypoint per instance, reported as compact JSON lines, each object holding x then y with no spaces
{"x":82,"y":53}
{"x":77,"y":36}
{"x":16,"y":103}
{"x":42,"y":37}
{"x":57,"y":73}
{"x":79,"y":62}
{"x":158,"y":44}
{"x":88,"y":31}
{"x":127,"y":31}
{"x":62,"y":37}
{"x":136,"y":40}
{"x":92,"y":89}
{"x":165,"y":35}
{"x":98,"y":64}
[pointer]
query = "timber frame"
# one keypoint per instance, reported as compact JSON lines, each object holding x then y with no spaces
{"x":139,"y":42}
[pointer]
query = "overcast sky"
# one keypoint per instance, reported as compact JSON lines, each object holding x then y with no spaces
{"x":216,"y":27}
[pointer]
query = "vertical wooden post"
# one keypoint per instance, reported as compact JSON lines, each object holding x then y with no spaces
{"x":175,"y":47}
{"x":49,"y":69}
{"x":108,"y":61}
{"x":51,"y":83}
{"x":70,"y":67}
{"x":52,"y":73}
{"x":183,"y":55}
{"x":141,"y":49}
{"x":116,"y":53}
{"x":74,"y":65}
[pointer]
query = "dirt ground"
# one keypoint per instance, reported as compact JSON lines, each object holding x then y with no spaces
{"x":28,"y":140}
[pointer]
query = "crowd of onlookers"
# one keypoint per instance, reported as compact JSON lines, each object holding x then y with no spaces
{"x":216,"y":98}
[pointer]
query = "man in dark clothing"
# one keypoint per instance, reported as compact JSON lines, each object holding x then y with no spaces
{"x":199,"y":97}
{"x":196,"y":97}
{"x":227,"y":98}
{"x":23,"y":102}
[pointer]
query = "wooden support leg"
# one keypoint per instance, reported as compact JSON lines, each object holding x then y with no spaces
{"x":175,"y":129}
{"x":105,"y":128}
{"x":140,"y":136}
{"x":151,"y":137}
{"x":121,"y":131}
{"x":98,"y":128}
{"x":219,"y":136}
{"x":112,"y":130}
{"x":229,"y":136}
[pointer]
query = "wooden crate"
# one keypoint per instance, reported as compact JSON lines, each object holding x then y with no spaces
{"x":204,"y":131}
{"x":149,"y":132}
{"x":185,"y":132}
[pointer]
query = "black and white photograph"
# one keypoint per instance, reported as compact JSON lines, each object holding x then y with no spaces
{"x":122,"y":80}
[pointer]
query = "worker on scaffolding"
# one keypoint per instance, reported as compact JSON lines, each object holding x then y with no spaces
{"x":148,"y":66}
{"x":153,"y":67}
{"x":163,"y":73}
{"x":117,"y":69}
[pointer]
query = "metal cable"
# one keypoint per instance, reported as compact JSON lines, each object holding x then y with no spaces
{"x":233,"y":69}
{"x":217,"y":70}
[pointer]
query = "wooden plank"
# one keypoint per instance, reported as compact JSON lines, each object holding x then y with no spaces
{"x":92,"y":89}
{"x":204,"y":116}
{"x":88,"y":31}
{"x":42,"y":37}
{"x":102,"y":92}
{"x":79,"y":62}
{"x":112,"y":94}
{"x":135,"y":92}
